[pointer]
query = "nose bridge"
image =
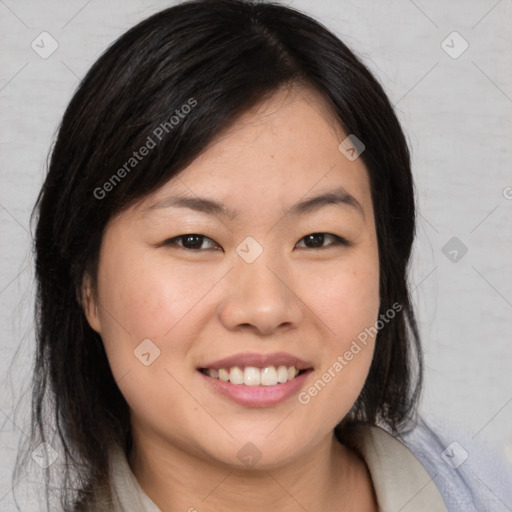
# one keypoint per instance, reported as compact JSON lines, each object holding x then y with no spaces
{"x":259,"y":294}
{"x":264,"y":278}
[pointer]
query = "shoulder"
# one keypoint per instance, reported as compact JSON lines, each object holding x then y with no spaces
{"x":470,"y":476}
{"x":425,"y":464}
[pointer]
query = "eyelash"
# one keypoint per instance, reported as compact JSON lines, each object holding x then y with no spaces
{"x":338,"y":240}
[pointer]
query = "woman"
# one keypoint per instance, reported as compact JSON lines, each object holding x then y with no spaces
{"x":221,"y":252}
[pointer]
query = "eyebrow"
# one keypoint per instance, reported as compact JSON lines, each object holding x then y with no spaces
{"x":338,"y":196}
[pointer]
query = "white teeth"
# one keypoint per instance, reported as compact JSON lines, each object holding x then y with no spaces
{"x":292,"y":372}
{"x":269,"y":376}
{"x":236,"y":376}
{"x":252,"y":376}
{"x":282,"y":374}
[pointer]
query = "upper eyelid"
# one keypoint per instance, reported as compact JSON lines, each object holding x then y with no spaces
{"x":179,"y":237}
{"x":339,"y":239}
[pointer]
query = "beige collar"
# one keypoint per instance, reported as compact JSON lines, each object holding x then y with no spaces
{"x":401,"y":483}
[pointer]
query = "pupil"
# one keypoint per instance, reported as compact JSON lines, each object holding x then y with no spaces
{"x":189,"y":241}
{"x":318,"y":237}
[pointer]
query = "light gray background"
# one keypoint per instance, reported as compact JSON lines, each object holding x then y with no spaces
{"x":456,"y":113}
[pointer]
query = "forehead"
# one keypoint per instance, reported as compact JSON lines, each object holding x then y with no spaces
{"x":284,"y":149}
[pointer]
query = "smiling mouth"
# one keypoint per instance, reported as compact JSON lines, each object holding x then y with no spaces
{"x":253,"y":376}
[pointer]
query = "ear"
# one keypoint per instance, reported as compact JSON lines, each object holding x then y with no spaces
{"x":90,"y":304}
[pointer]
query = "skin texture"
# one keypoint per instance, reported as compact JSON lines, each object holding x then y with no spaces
{"x":200,"y":305}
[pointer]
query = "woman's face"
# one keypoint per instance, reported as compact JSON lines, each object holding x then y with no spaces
{"x":265,"y":282}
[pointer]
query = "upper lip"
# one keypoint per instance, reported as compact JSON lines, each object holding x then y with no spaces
{"x":259,"y":361}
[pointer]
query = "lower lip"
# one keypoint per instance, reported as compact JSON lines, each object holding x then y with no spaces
{"x":257,"y":396}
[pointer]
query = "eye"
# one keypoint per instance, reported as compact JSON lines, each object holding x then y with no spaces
{"x":194,"y":242}
{"x":190,"y":241}
{"x":316,"y":240}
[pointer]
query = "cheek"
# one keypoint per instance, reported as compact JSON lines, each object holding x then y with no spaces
{"x":346,"y":300}
{"x":148,"y":298}
{"x":345,"y":296}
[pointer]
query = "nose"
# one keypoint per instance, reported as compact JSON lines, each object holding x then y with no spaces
{"x":259,"y":296}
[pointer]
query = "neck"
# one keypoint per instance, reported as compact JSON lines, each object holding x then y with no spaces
{"x":331,"y":477}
